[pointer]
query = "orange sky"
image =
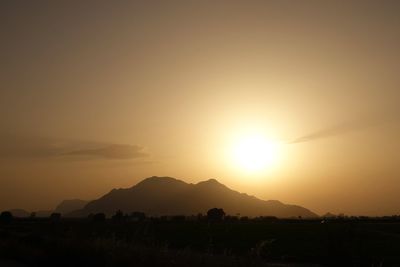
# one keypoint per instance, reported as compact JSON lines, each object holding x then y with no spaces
{"x":97,"y":94}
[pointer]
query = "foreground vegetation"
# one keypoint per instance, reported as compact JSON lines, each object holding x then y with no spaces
{"x":180,"y":241}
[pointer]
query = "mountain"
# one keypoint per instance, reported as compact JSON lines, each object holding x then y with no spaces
{"x":20,"y":213}
{"x":169,"y":196}
{"x":69,"y":205}
{"x":329,"y":215}
{"x":43,"y":213}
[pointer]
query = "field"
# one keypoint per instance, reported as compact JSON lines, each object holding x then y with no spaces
{"x":180,"y":242}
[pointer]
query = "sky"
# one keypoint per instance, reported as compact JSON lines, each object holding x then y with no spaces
{"x":96,"y":95}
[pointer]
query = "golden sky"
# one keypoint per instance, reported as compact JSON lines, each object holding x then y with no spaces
{"x":96,"y":95}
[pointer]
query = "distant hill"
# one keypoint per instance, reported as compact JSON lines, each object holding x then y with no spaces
{"x":329,"y":215}
{"x":65,"y":207}
{"x":169,"y":196}
{"x":69,"y":205}
{"x":20,"y":213}
{"x":43,"y":213}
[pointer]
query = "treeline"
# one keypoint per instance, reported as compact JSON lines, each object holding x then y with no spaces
{"x":212,"y":215}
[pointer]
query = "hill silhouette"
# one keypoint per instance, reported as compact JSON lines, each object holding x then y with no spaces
{"x":158,"y":196}
{"x":69,"y":205}
{"x":21,"y":213}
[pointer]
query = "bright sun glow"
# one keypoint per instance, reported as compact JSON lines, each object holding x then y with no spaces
{"x":254,"y":153}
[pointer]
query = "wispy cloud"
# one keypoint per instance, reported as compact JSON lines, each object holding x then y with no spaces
{"x":345,"y":127}
{"x":33,"y":147}
{"x":113,"y":151}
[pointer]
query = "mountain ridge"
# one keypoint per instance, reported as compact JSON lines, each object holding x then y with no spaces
{"x":70,"y":205}
{"x":158,"y":196}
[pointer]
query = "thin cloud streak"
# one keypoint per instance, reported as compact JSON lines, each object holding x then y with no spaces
{"x":113,"y":151}
{"x":344,"y":128}
{"x":33,"y":147}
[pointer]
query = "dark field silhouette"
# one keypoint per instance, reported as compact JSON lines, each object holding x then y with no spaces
{"x":209,"y":240}
{"x":163,"y":221}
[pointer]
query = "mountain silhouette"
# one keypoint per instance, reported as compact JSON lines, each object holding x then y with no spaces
{"x":21,"y":213}
{"x":69,"y":205}
{"x":157,"y":196}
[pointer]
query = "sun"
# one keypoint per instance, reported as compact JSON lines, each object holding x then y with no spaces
{"x":255,"y":153}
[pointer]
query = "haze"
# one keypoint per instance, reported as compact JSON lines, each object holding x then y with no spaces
{"x":96,"y":95}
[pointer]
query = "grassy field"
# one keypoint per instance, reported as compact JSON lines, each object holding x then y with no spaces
{"x":155,"y":242}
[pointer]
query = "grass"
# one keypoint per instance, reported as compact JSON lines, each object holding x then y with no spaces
{"x":72,"y":242}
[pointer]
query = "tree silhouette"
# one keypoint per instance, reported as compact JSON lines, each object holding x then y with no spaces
{"x":99,"y":217}
{"x":6,"y":217}
{"x":138,"y":216}
{"x":119,"y":216}
{"x":215,"y":214}
{"x":55,"y":216}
